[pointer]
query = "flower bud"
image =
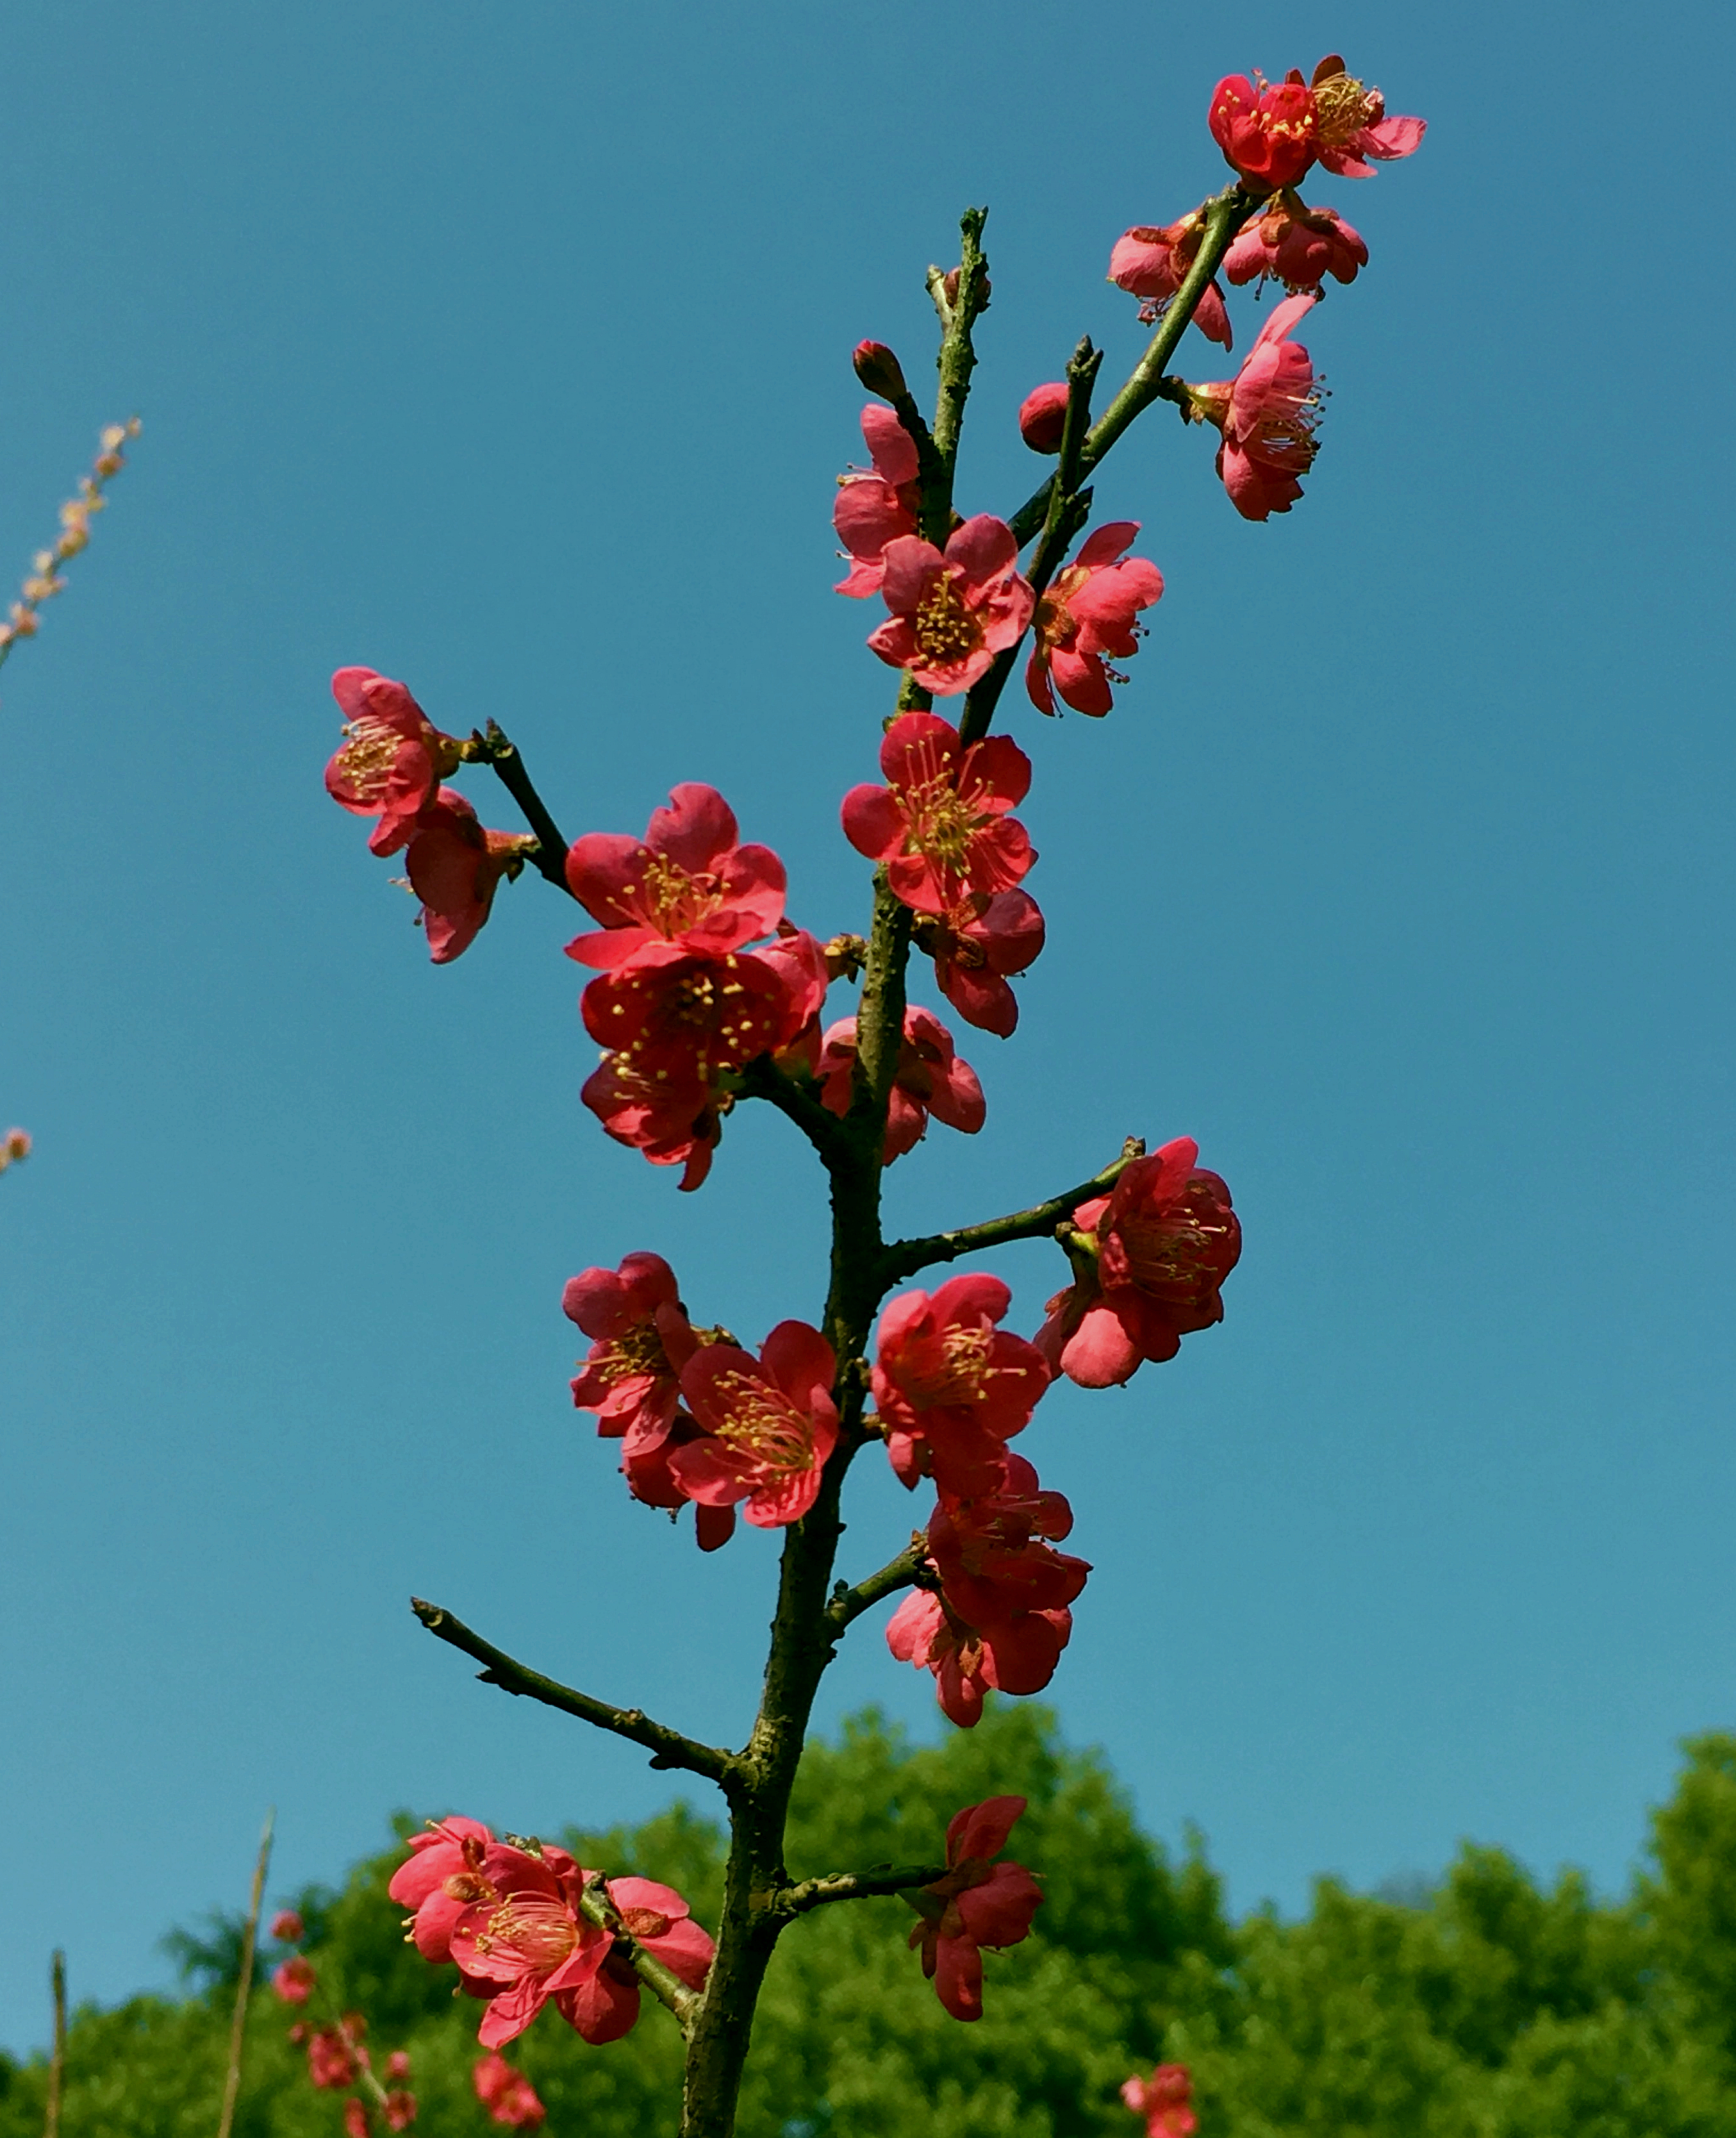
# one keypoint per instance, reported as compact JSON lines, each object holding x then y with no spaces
{"x":878,"y":370}
{"x":287,"y":1926}
{"x":1043,"y":415}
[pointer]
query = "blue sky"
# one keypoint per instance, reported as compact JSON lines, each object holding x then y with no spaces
{"x":506,"y":351}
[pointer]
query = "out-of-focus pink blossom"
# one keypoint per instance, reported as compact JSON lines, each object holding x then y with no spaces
{"x":507,"y":2095}
{"x":398,"y":2064}
{"x":952,"y":611}
{"x":393,"y":758}
{"x":399,"y":2109}
{"x":293,"y":1980}
{"x":1043,"y":415}
{"x":952,"y":1389}
{"x":14,"y":1145}
{"x":355,"y":2119}
{"x":769,"y":1424}
{"x":1156,"y":1252}
{"x":1295,"y":245}
{"x":1267,"y":415}
{"x":331,"y":2061}
{"x":1165,"y":2101}
{"x":942,"y":823}
{"x":1267,"y":134}
{"x":877,"y":504}
{"x":1086,"y":613}
{"x":975,"y":947}
{"x":1351,"y":123}
{"x":1152,"y":260}
{"x":931,"y":1078}
{"x":455,"y":866}
{"x":979,"y":1902}
{"x":688,"y":881}
{"x":287,"y":1926}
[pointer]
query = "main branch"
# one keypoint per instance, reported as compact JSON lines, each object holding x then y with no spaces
{"x":668,"y":1747}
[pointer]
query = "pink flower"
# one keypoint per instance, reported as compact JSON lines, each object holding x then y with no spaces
{"x":656,"y":1917}
{"x":444,"y":1876}
{"x":769,"y":1425}
{"x":1164,"y":1240}
{"x":525,"y":1942}
{"x":507,"y":2095}
{"x":393,"y":758}
{"x":398,"y":2064}
{"x":979,"y":1902}
{"x":454,"y":866}
{"x":1351,"y":123}
{"x":331,"y":2060}
{"x":1017,"y":1656}
{"x":293,"y":1980}
{"x":14,"y":1145}
{"x":952,"y":1389}
{"x":355,"y":2119}
{"x":688,"y":881}
{"x":686,"y":1016}
{"x":930,"y":1079}
{"x":672,"y":1120}
{"x":287,"y":1926}
{"x":651,"y":1478}
{"x":643,"y":1337}
{"x":942,"y":823}
{"x":399,"y":2109}
{"x":1087,"y":611}
{"x":995,"y":1554}
{"x":952,"y":613}
{"x":975,"y":947}
{"x":876,"y":506}
{"x":1042,"y":416}
{"x":1152,"y":260}
{"x":1164,"y":2101}
{"x":1295,"y":245}
{"x":1267,"y":415}
{"x":1267,"y":134}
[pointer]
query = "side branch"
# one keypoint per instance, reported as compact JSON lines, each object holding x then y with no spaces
{"x":666,"y":1986}
{"x":669,"y":1748}
{"x":856,"y":1885}
{"x":1225,"y":216}
{"x":491,"y":747}
{"x":761,"y":1080}
{"x":902,"y":1258}
{"x":847,"y":1605}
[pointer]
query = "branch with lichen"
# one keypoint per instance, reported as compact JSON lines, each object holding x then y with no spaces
{"x":44,"y":580}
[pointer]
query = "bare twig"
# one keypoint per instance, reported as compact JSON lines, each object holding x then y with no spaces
{"x":856,"y":1885}
{"x":244,"y":1980}
{"x":904,"y":1572}
{"x":44,"y":581}
{"x":664,"y":1984}
{"x":669,"y":1748}
{"x":905,"y":1257}
{"x":57,"y":2057}
{"x":490,"y":747}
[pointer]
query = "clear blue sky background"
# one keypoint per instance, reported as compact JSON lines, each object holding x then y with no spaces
{"x":506,"y":351}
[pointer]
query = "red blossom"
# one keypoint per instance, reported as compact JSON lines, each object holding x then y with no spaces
{"x":1152,"y":260}
{"x":1267,"y":134}
{"x":355,"y":2119}
{"x":995,"y":1554}
{"x":876,"y":506}
{"x":930,"y":1079}
{"x":1164,"y":1242}
{"x":287,"y":1926}
{"x":1042,"y":416}
{"x":293,"y":1980}
{"x":975,"y":947}
{"x":1087,"y":611}
{"x":398,"y":2064}
{"x":768,"y":1425}
{"x":455,"y":866}
{"x":686,"y":1016}
{"x":1018,"y":1655}
{"x":442,"y":1877}
{"x":507,"y":2095}
{"x":688,"y":881}
{"x":393,"y":758}
{"x":651,"y":1478}
{"x":979,"y":1902}
{"x":1295,"y":245}
{"x":331,"y":2060}
{"x":952,"y":612}
{"x":673,"y":1120}
{"x":941,"y":823}
{"x":951,"y":1387}
{"x":879,"y":370}
{"x":399,"y":2109}
{"x":656,"y":1918}
{"x":1267,"y":415}
{"x":643,"y":1339}
{"x":523,"y":1942}
{"x":1164,"y":2100}
{"x":1351,"y":123}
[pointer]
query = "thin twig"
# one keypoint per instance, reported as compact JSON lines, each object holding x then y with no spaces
{"x":549,"y":859}
{"x":57,"y":2057}
{"x":856,"y":1885}
{"x":665,"y":1984}
{"x":902,"y":1258}
{"x":959,"y":313}
{"x":669,"y":1748}
{"x":905,"y":1571}
{"x":761,"y":1080}
{"x":244,"y":1980}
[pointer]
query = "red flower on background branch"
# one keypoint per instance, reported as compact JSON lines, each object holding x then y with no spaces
{"x":979,"y":1902}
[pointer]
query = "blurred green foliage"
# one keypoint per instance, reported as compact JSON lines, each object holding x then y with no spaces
{"x":1487,"y":2007}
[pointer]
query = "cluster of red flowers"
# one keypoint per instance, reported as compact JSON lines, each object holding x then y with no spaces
{"x":1165,"y":2101}
{"x":337,"y":2054}
{"x":507,"y":2095}
{"x":979,"y":1902}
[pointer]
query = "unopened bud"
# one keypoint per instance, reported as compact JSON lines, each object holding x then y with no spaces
{"x":287,"y":1926}
{"x":878,"y":370}
{"x":1043,"y":416}
{"x":15,"y":1146}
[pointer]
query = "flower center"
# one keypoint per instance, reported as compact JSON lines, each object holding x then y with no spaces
{"x":639,"y":1352}
{"x":675,"y":901}
{"x":643,"y":1923}
{"x":762,"y":1423}
{"x":963,"y":1372}
{"x":942,"y":822}
{"x":366,"y":757}
{"x":1175,"y":1254}
{"x":1343,"y":107}
{"x":947,"y":632}
{"x":1054,"y":621}
{"x":528,"y":1934}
